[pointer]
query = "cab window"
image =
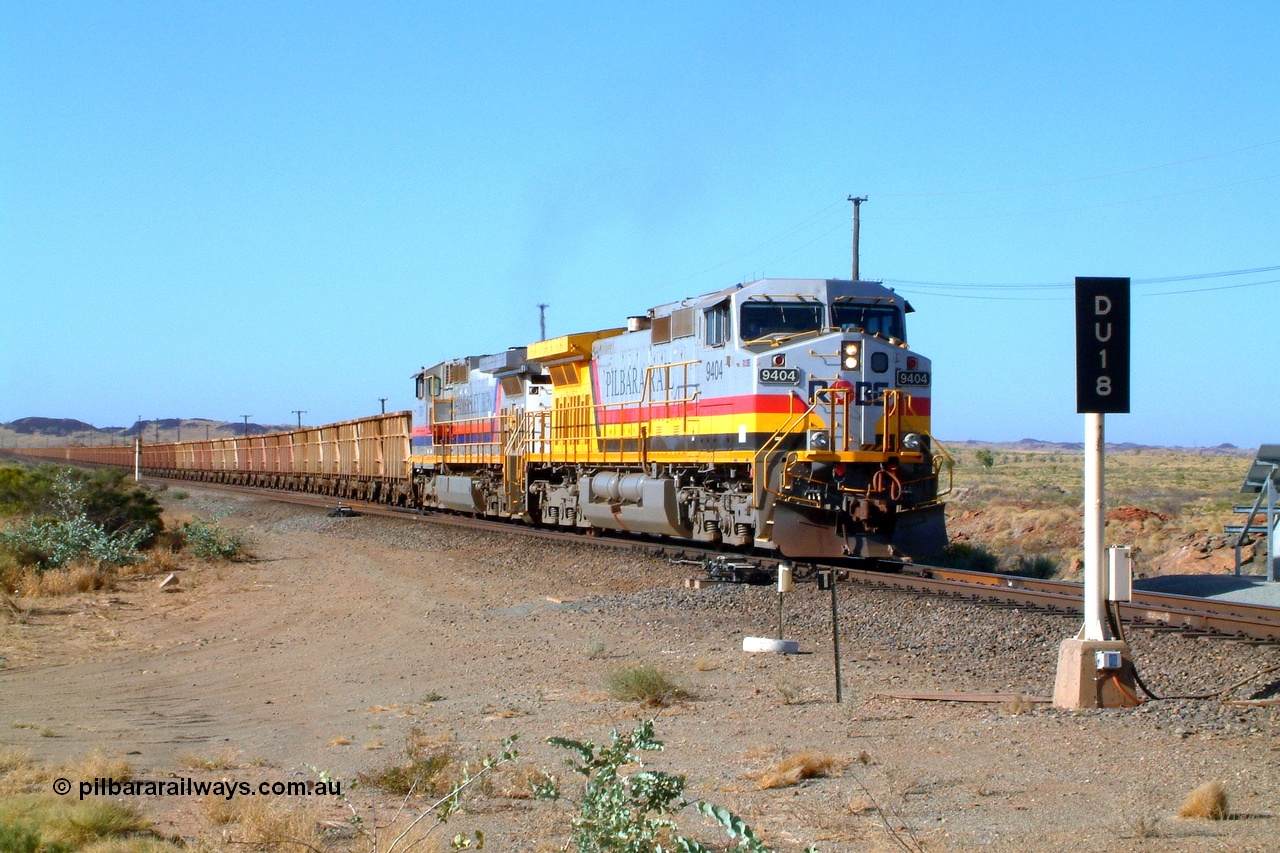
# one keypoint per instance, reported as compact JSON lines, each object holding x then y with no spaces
{"x":764,"y":319}
{"x":871,"y":319}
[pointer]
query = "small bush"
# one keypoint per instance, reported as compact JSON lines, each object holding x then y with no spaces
{"x":634,"y":812}
{"x":105,"y":496}
{"x":1039,"y":567}
{"x":985,"y":459}
{"x":53,"y":543}
{"x":209,"y":540}
{"x":648,"y":685}
{"x":971,"y":558}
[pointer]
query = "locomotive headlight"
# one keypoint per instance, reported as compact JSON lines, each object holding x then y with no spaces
{"x":850,"y":355}
{"x":818,"y":440}
{"x":913,"y":441}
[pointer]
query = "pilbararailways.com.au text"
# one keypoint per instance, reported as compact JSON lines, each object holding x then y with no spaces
{"x":188,"y":787}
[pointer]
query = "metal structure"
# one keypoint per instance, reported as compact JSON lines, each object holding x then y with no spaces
{"x":1263,"y":480}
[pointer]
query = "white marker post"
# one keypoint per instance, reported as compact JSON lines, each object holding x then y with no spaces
{"x":1095,"y":669}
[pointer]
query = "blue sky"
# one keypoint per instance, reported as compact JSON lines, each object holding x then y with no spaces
{"x":218,"y":209}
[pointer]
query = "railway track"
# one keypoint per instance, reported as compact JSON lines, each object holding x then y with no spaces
{"x":1163,"y":611}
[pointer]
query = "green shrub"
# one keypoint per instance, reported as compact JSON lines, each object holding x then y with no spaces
{"x":79,"y":524}
{"x":634,"y":812}
{"x":985,"y":459}
{"x":970,"y":558}
{"x":53,"y":543}
{"x":210,"y":540}
{"x":104,"y":496}
{"x":1039,"y":567}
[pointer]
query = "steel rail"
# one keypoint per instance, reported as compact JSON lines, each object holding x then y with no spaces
{"x":1147,"y":609}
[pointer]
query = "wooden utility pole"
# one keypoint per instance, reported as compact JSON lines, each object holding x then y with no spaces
{"x":857,"y":203}
{"x":542,"y":320}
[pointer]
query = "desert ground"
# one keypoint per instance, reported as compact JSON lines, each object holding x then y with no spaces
{"x":342,"y":642}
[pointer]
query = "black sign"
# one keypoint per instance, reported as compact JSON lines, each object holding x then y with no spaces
{"x":780,"y":375}
{"x":1102,"y":345}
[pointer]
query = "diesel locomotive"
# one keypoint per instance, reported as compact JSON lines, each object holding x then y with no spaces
{"x":786,"y":414}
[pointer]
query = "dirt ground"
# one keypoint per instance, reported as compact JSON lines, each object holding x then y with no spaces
{"x":344,"y":635}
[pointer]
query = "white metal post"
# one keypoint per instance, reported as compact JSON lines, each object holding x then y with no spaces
{"x":1273,"y":545}
{"x":137,"y":457}
{"x":1095,"y":617}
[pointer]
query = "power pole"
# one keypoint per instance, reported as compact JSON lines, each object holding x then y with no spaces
{"x":542,"y":319}
{"x":383,"y":401}
{"x":246,"y":424}
{"x":299,"y":413}
{"x":857,"y":203}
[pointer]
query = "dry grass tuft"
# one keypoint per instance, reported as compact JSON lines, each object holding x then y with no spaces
{"x":159,"y":561}
{"x":262,"y":824}
{"x":58,"y":582}
{"x":340,"y":740}
{"x":98,"y":765}
{"x":791,"y":770}
{"x":1208,"y":802}
{"x":20,"y":775}
{"x":9,"y":609}
{"x":63,"y":821}
{"x":430,"y":766}
{"x":649,"y":686}
{"x":517,"y":782}
{"x":222,"y":759}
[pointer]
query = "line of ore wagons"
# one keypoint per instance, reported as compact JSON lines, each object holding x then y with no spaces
{"x":362,"y":459}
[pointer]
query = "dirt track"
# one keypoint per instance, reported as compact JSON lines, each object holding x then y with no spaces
{"x":357,"y":629}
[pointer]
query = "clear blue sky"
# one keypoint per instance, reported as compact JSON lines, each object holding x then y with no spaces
{"x":217,"y":209}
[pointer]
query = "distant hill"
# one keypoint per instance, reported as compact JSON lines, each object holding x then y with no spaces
{"x":49,"y":426}
{"x":1033,"y":445}
{"x":43,"y":432}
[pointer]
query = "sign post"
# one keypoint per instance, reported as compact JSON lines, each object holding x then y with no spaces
{"x":1095,"y":669}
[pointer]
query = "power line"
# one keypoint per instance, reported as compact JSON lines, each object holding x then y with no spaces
{"x":945,"y":289}
{"x":1058,"y":284}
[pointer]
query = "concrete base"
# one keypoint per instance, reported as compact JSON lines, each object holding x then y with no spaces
{"x":1079,"y":683}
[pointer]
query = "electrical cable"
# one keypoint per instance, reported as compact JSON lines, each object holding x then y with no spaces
{"x":1117,"y":627}
{"x":1125,"y":690}
{"x":1063,"y":285}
